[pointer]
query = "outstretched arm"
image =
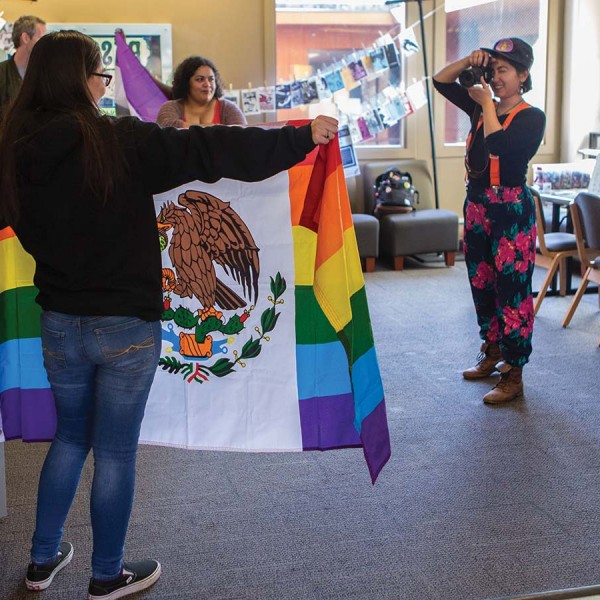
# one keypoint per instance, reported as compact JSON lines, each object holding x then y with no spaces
{"x":171,"y":157}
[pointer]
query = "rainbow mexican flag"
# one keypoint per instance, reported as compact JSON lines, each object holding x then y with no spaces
{"x":315,"y":386}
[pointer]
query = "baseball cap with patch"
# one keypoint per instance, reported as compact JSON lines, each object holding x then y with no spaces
{"x":513,"y":49}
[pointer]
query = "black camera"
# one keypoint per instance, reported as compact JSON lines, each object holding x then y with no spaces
{"x":472,"y":76}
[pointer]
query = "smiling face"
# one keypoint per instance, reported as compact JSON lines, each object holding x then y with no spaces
{"x":507,"y":80}
{"x":202,"y":85}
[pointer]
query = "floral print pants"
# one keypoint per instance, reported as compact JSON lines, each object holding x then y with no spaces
{"x":499,"y":246}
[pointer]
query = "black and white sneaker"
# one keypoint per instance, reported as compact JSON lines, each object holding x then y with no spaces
{"x":135,"y":576}
{"x":39,"y":577}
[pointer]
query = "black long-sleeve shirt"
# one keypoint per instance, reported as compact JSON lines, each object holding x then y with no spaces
{"x":10,"y":81}
{"x":515,"y":145}
{"x":104,"y":259}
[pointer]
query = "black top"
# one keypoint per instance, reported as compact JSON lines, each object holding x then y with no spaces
{"x":10,"y":81}
{"x":104,"y":259}
{"x":515,"y":146}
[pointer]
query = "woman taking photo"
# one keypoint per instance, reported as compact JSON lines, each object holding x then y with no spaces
{"x":198,"y":97}
{"x":499,"y":226}
{"x":76,"y":187}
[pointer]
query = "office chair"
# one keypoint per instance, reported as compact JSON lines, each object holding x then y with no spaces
{"x":553,"y":249}
{"x":585,"y":213}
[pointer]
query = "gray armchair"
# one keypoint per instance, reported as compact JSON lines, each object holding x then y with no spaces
{"x":366,"y":228}
{"x":423,"y":231}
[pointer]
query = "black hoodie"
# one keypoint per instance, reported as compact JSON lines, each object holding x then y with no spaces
{"x":95,"y":258}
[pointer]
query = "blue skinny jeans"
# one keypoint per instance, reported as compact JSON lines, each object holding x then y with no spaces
{"x":100,"y":370}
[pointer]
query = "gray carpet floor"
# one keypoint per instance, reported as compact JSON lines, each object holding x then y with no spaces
{"x":475,"y":503}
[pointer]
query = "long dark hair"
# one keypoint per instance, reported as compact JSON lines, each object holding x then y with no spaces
{"x":184,"y":72}
{"x":55,"y":84}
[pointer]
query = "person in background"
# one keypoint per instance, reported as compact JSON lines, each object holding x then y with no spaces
{"x":26,"y":32}
{"x":499,"y":227}
{"x":198,"y":97}
{"x":77,"y":188}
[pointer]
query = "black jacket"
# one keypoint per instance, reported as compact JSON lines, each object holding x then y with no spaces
{"x":104,"y":259}
{"x":10,"y":81}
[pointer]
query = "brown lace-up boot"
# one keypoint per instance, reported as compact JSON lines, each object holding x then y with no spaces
{"x":486,"y":362}
{"x":510,"y":386}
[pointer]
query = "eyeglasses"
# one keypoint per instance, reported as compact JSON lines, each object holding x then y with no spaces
{"x":107,"y":78}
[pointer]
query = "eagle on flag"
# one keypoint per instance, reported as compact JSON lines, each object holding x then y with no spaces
{"x":205,"y":231}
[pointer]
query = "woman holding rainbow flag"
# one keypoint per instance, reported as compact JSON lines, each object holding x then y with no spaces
{"x":76,"y":187}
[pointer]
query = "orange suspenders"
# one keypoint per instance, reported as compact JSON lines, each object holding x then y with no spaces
{"x":495,"y":160}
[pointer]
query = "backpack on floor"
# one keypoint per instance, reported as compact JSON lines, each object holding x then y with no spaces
{"x":394,"y":193}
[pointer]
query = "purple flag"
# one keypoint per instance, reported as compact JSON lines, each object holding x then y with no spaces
{"x":143,"y":94}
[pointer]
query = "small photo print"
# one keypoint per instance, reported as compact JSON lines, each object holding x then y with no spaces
{"x":403,"y":106}
{"x":373,"y":121}
{"x":387,"y":114}
{"x":322,"y":90}
{"x":355,"y":134}
{"x":368,"y":65}
{"x":232,"y":96}
{"x":250,"y":102}
{"x":309,"y":90}
{"x":266,"y":99}
{"x":417,"y":95}
{"x":379,"y":60}
{"x":391,"y":55}
{"x":283,"y":96}
{"x":357,"y":69}
{"x":348,"y":78}
{"x":363,"y":128}
{"x":334,"y":81}
{"x":296,"y":89}
{"x":408,"y":42}
{"x":6,"y":43}
{"x":392,"y":109}
{"x":344,"y":136}
{"x":349,"y":160}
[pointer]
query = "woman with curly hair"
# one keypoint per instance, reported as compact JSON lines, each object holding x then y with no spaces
{"x":198,"y":97}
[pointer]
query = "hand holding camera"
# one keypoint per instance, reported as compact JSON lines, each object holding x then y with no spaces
{"x":480,"y":66}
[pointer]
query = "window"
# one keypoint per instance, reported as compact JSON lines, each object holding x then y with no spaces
{"x":150,"y":42}
{"x":481,"y":26}
{"x":328,"y":40}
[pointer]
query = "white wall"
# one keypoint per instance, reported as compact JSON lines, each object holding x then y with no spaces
{"x":581,"y":76}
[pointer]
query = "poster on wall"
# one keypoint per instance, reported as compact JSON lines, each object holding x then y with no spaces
{"x":6,"y":44}
{"x":150,"y":42}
